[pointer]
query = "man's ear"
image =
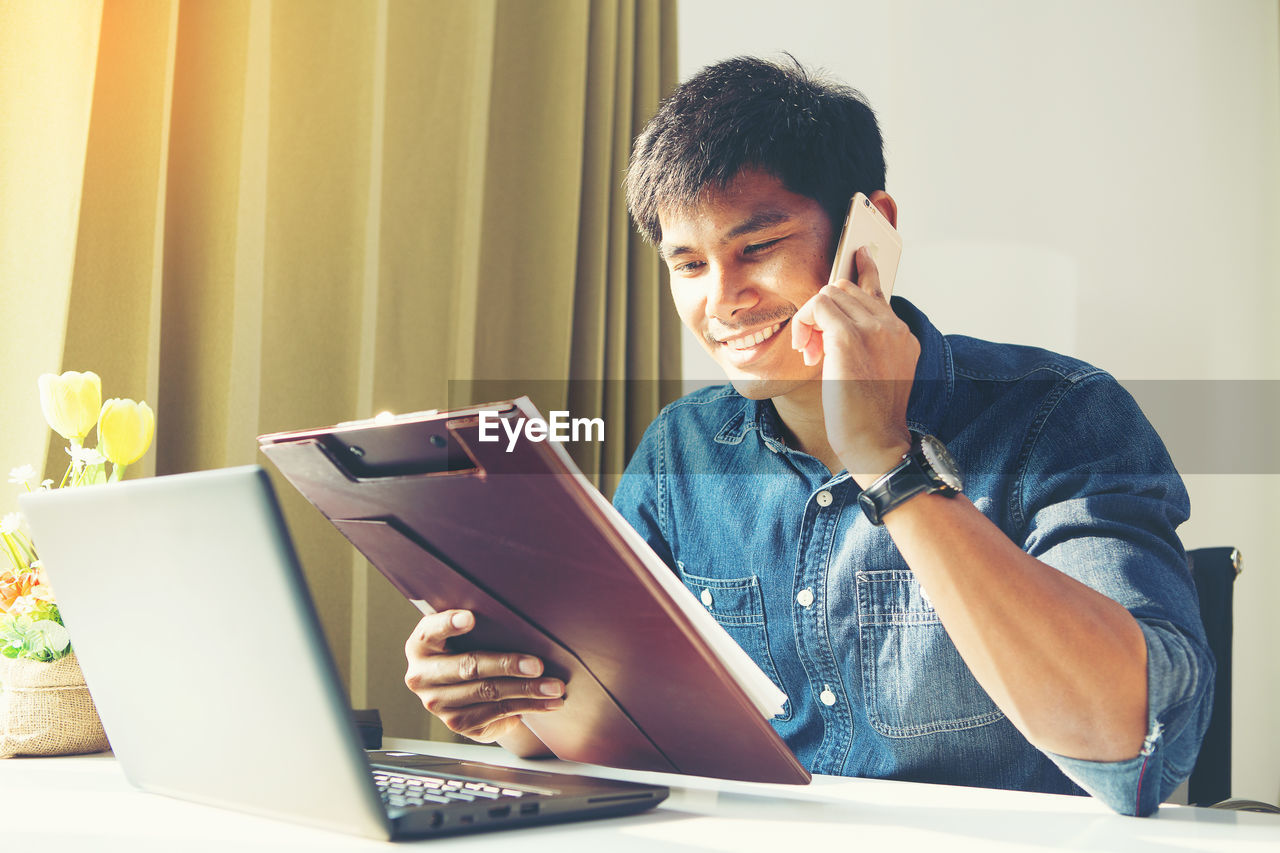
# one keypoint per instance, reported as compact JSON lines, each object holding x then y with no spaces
{"x":887,"y":206}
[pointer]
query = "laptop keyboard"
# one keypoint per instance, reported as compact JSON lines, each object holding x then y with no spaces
{"x":405,"y":790}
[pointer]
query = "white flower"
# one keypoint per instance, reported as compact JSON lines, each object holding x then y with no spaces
{"x":23,"y":604}
{"x":10,"y":523}
{"x":22,"y":474}
{"x":85,"y":455}
{"x":54,"y":636}
{"x":71,"y":402}
{"x":46,"y":484}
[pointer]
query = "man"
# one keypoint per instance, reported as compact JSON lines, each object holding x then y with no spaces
{"x":1035,"y":628}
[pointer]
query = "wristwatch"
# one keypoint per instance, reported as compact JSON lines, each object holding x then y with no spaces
{"x":927,"y":468}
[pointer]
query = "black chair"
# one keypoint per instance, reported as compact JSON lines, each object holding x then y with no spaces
{"x":1214,"y":571}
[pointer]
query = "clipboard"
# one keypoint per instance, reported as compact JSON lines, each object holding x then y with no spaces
{"x":511,"y":530}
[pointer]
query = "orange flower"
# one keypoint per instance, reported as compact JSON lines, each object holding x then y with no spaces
{"x":41,"y":591}
{"x":14,"y":586}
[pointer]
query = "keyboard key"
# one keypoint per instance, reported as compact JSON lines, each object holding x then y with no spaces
{"x":403,"y":790}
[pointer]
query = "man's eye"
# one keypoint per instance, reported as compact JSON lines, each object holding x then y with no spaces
{"x":756,"y":248}
{"x":688,"y":266}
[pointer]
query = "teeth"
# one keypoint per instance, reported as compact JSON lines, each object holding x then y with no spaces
{"x":753,"y":340}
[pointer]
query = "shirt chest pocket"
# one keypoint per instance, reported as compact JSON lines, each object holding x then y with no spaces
{"x":914,"y":681}
{"x":738,"y":606}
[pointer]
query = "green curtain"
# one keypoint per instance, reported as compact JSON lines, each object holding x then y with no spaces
{"x":264,"y":215}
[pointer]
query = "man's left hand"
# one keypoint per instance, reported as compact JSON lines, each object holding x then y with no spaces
{"x":868,"y":363}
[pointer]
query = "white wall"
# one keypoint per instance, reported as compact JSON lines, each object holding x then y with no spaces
{"x":1098,"y":176}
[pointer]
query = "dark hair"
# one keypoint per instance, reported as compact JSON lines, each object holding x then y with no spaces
{"x":819,"y":137}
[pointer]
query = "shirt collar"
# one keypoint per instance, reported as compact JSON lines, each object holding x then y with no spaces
{"x":757,"y":415}
{"x":931,"y":389}
{"x":935,"y":378}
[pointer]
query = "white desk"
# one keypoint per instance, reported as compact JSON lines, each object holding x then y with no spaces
{"x":84,"y":804}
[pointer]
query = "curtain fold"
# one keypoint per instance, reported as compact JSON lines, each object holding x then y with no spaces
{"x":48,"y":58}
{"x":117,"y":270}
{"x":296,"y":213}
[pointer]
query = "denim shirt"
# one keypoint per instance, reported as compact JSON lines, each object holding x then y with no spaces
{"x":1052,"y":450}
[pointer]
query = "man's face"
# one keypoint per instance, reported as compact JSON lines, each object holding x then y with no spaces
{"x":743,"y":261}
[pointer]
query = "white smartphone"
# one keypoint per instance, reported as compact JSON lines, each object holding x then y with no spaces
{"x":866,"y":226}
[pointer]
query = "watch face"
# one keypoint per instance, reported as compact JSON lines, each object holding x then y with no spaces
{"x":939,"y":459}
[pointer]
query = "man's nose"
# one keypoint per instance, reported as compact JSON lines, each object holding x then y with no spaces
{"x":730,"y":292}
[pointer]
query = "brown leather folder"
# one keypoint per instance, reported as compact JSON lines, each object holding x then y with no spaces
{"x":518,"y":538}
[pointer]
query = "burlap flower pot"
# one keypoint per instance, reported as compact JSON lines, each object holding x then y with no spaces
{"x":45,"y":709}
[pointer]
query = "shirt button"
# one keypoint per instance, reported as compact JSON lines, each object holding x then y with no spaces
{"x":805,"y":597}
{"x":828,"y":698}
{"x":706,"y":597}
{"x":824,"y":498}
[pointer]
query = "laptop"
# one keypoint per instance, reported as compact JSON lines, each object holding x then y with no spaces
{"x":202,"y":649}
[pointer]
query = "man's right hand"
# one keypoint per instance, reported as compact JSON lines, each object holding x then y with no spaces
{"x":480,"y":695}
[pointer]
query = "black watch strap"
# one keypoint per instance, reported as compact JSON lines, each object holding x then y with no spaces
{"x":926,"y":468}
{"x":904,"y":481}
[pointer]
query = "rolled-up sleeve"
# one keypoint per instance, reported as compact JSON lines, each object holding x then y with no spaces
{"x":1110,"y":522}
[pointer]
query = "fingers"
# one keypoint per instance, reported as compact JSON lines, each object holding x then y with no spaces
{"x":839,"y":302}
{"x":487,"y":721}
{"x":868,"y":274}
{"x":813,"y":349}
{"x":802,"y":326}
{"x":474,"y":693}
{"x":431,"y":662}
{"x":466,"y":667}
{"x":861,"y":293}
{"x":477,"y":707}
{"x":434,"y":629}
{"x":828,"y":310}
{"x":523,"y":692}
{"x":805,"y":337}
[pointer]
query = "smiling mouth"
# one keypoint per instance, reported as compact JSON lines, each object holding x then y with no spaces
{"x":754,"y":339}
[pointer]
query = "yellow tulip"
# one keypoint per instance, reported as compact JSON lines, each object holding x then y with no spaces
{"x":125,"y":430}
{"x":70,"y":403}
